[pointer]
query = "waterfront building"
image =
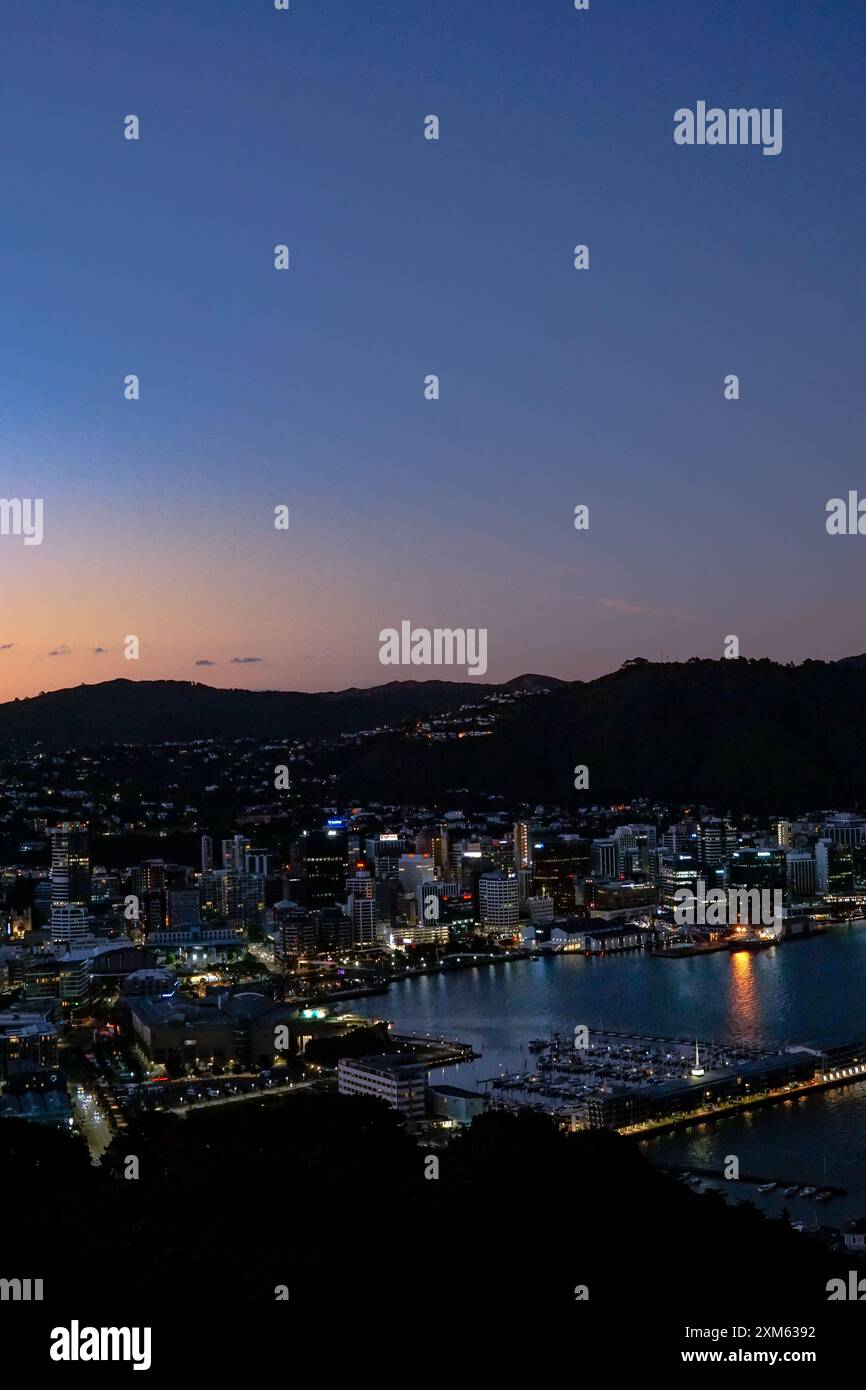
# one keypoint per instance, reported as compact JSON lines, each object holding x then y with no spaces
{"x":499,"y":908}
{"x":800,"y":879}
{"x":676,"y":872}
{"x":559,"y":865}
{"x":394,"y":1078}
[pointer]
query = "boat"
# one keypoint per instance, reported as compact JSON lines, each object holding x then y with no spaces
{"x":749,"y":943}
{"x":823,"y":1196}
{"x":768,"y":1187}
{"x":808,"y":1192}
{"x":798,"y":1225}
{"x":792,"y":1191}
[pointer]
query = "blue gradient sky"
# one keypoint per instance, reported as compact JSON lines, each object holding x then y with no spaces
{"x":410,"y":257}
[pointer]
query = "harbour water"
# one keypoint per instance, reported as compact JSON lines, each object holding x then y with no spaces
{"x":811,"y":991}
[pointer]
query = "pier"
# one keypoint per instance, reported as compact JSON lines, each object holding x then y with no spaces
{"x":677,"y":1169}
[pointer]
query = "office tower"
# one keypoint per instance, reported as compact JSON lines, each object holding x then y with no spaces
{"x":361,"y":905}
{"x":717,"y":840}
{"x":782,"y":833}
{"x":604,"y":858}
{"x":206,"y":854}
{"x":540,"y":909}
{"x":800,"y":874}
{"x":441,"y":849}
{"x":845,"y":830}
{"x":457,"y":913}
{"x":335,"y":931}
{"x":323,"y":861}
{"x":257,"y":861}
{"x":758,"y":868}
{"x":840,"y":869}
{"x":636,"y":847}
{"x":239,"y":898}
{"x":437,"y":891}
{"x":68,"y":924}
{"x":681,"y":838}
{"x":677,"y":871}
{"x":150,"y":876}
{"x":413,"y":870}
{"x":234,"y":850}
{"x":501,"y":854}
{"x":70,"y":865}
{"x":361,"y":884}
{"x":385,"y":898}
{"x":183,"y":908}
{"x":558,"y":866}
{"x":295,"y":932}
{"x":385,"y":851}
{"x":70,"y":882}
{"x":363,"y":921}
{"x":499,"y":910}
{"x":523,"y":837}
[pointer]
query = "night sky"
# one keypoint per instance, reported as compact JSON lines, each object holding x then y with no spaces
{"x":411,"y":257}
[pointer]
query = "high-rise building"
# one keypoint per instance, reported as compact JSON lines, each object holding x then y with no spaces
{"x":559,"y":865}
{"x":257,"y":861}
{"x":234,"y":849}
{"x":845,"y":830}
{"x":69,"y":924}
{"x":499,"y":909}
{"x":413,"y":871}
{"x":717,"y":840}
{"x":70,"y":881}
{"x":636,"y":847}
{"x":782,"y":833}
{"x":183,"y":908}
{"x":758,"y":868}
{"x":295,"y":932}
{"x":323,"y":861}
{"x":523,"y":840}
{"x":363,"y":921}
{"x":800,"y":874}
{"x":206,"y":854}
{"x":70,"y":864}
{"x":677,"y":871}
{"x":440,"y":848}
{"x":605,"y":858}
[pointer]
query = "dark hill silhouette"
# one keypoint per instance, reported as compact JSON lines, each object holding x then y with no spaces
{"x":747,"y":733}
{"x":124,"y":711}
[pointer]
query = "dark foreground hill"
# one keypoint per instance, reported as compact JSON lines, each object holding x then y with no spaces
{"x":326,"y":1196}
